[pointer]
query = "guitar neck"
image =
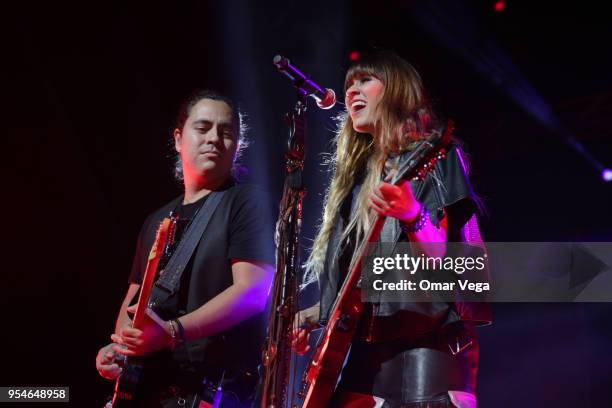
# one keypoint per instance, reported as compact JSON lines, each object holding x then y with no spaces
{"x":145,"y":292}
{"x":150,"y":271}
{"x":373,"y":234}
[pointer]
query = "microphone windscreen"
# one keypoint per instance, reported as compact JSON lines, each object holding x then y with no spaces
{"x":329,"y":100}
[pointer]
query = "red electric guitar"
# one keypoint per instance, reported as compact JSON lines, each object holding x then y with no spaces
{"x":127,"y":385}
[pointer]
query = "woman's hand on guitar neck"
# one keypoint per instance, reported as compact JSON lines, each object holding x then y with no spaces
{"x":304,"y":322}
{"x":153,"y":336}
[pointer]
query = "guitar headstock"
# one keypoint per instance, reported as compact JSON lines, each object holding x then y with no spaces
{"x":425,"y":156}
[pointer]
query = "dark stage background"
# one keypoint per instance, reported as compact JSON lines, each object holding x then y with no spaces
{"x":90,"y":91}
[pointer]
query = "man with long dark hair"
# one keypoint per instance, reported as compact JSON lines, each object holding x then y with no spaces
{"x":210,"y":330}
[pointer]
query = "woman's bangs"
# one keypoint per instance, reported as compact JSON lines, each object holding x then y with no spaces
{"x":362,"y":69}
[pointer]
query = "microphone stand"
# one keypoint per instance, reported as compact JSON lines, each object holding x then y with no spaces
{"x":284,"y":305}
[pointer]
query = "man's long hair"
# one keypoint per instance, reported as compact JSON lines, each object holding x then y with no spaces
{"x":405,"y":118}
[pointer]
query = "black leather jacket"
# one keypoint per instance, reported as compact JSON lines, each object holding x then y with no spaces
{"x":446,"y":189}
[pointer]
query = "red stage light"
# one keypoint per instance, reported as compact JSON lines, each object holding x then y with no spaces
{"x":500,"y":5}
{"x":354,"y":55}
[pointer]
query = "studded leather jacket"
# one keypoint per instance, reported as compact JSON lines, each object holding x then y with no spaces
{"x":445,"y":190}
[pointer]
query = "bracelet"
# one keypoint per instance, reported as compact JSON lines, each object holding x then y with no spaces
{"x":172,"y":334}
{"x":175,"y":333}
{"x":181,"y":330}
{"x":419,"y":222}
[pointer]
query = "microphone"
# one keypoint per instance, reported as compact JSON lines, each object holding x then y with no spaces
{"x":325,"y":97}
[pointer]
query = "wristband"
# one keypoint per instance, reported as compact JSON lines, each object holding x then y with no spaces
{"x":175,"y":333}
{"x":418,"y":224}
{"x":181,"y":330}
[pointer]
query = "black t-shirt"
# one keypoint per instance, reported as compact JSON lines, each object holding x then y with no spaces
{"x":182,"y":216}
{"x":250,"y":229}
{"x":240,"y":228}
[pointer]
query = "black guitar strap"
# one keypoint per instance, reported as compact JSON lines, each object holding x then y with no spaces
{"x":170,"y":279}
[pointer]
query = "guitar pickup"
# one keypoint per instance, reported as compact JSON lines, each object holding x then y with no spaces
{"x":345,"y":323}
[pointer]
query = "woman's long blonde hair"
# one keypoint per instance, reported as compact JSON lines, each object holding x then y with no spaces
{"x":405,"y":118}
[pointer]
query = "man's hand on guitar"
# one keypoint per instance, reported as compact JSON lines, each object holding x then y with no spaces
{"x":105,"y":363}
{"x":303,"y":323}
{"x":154,"y":336}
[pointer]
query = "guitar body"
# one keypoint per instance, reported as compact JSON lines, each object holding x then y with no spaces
{"x":138,"y":377}
{"x":128,"y":384}
{"x":324,"y":370}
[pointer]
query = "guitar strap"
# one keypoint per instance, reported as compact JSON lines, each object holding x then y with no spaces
{"x":170,"y":279}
